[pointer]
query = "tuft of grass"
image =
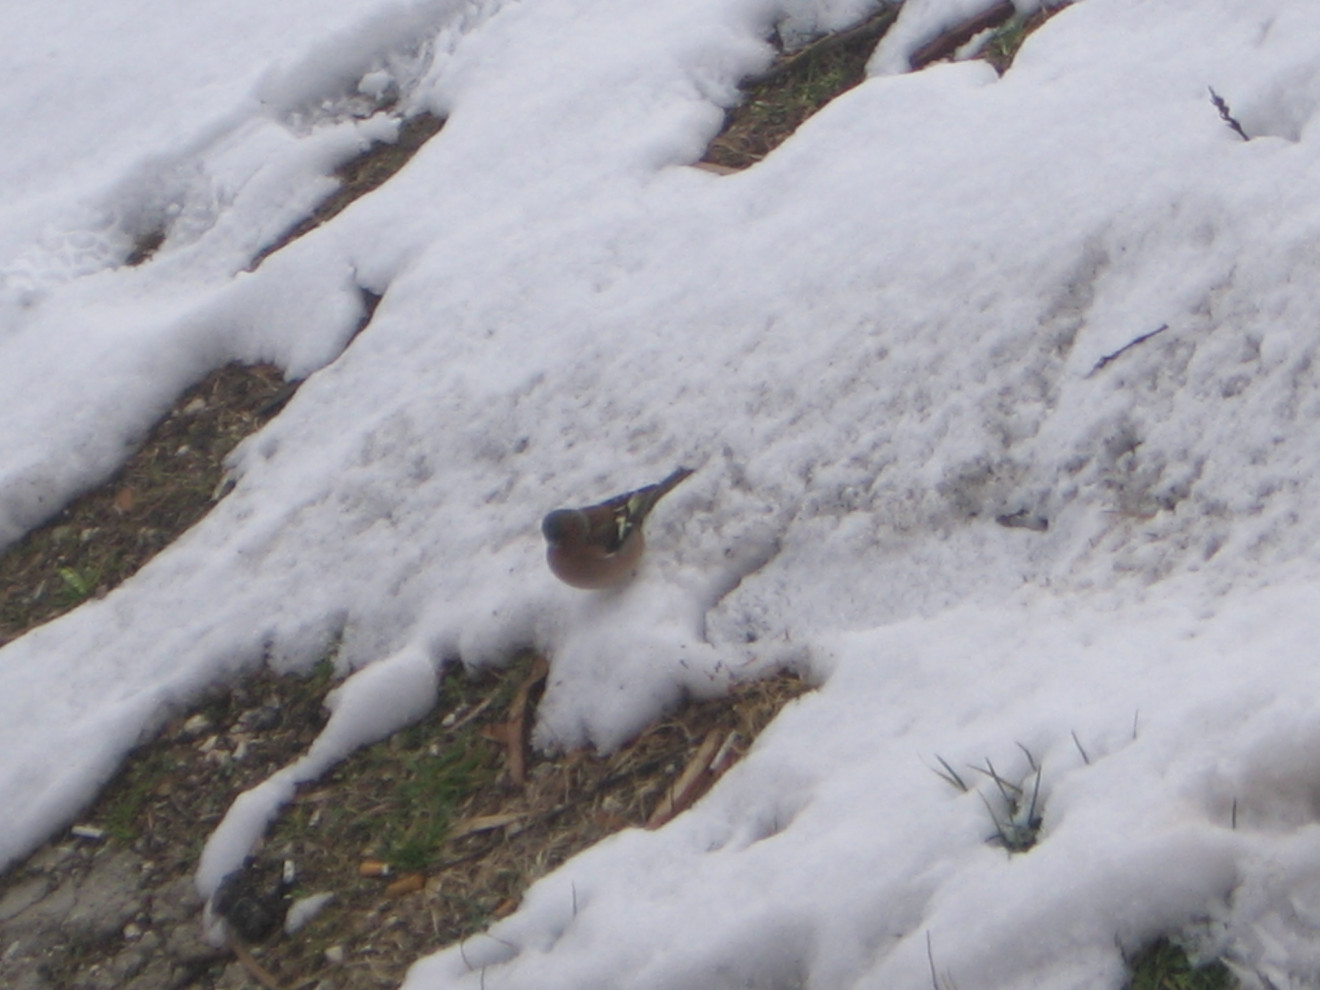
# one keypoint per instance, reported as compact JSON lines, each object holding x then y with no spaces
{"x":1018,"y":821}
{"x":1018,"y":827}
{"x":1002,"y":46}
{"x":1162,"y":965}
{"x":429,"y":783}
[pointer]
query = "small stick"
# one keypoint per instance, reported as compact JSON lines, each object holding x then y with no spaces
{"x":1226,"y":115}
{"x":876,"y":26}
{"x":1085,"y":759}
{"x":517,"y":724}
{"x":951,"y":40}
{"x":1127,"y":347}
{"x":254,"y":968}
{"x":688,"y":787}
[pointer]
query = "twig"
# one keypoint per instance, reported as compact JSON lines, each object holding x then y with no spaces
{"x":516,"y":731}
{"x":1226,"y":115}
{"x":1127,"y":347}
{"x":873,"y":27}
{"x":485,"y":823}
{"x":476,"y":710}
{"x":954,"y":38}
{"x":688,"y":787}
{"x":1078,"y":743}
{"x":254,"y":968}
{"x":551,"y":814}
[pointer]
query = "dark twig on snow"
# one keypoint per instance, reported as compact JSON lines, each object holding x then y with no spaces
{"x":1078,"y":743}
{"x":1226,"y":115}
{"x":1127,"y":347}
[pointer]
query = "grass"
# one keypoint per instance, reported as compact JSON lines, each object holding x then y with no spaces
{"x":1002,"y":46}
{"x":122,"y":814}
{"x":777,"y":102}
{"x":173,"y":791}
{"x":428,"y":836}
{"x":462,"y":799}
{"x":164,"y":488}
{"x":1165,"y":966}
{"x":1018,"y":823}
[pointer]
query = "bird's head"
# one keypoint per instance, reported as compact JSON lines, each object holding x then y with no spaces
{"x":563,"y":526}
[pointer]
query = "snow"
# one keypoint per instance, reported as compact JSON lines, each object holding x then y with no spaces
{"x":912,"y":319}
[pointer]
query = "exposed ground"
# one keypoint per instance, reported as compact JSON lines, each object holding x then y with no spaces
{"x":428,"y":836}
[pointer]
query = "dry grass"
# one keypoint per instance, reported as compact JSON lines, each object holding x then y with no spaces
{"x":791,"y":90}
{"x":441,"y":805}
{"x":798,"y":84}
{"x":428,"y":836}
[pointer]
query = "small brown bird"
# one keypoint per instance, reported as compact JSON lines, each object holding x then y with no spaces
{"x":599,"y":546}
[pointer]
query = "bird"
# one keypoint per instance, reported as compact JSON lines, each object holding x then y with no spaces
{"x":599,"y":546}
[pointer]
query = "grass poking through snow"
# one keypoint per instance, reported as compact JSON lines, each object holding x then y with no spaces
{"x":1164,"y":966}
{"x":791,"y":90}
